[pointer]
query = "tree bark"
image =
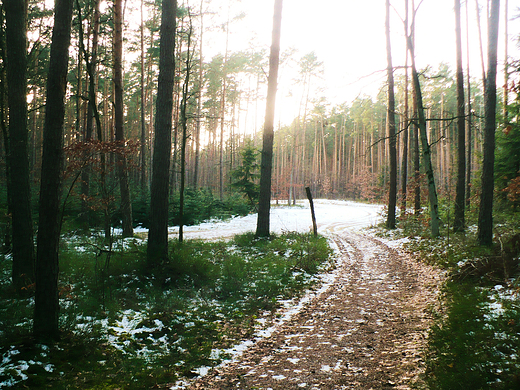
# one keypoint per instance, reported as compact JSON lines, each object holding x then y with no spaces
{"x":392,"y":193}
{"x":17,"y":156}
{"x":481,"y":45}
{"x":223,"y":113}
{"x":143,"y":177}
{"x":92,"y":114}
{"x":404,"y":167}
{"x":264,"y":200}
{"x":46,"y":304}
{"x":157,"y":250}
{"x":506,"y":63}
{"x":469,"y":132}
{"x":426,"y":151}
{"x":199,"y":103}
{"x":459,"y":220}
{"x":485,"y":217}
{"x":184,"y":128}
{"x":415,"y":131}
{"x":122,"y":171}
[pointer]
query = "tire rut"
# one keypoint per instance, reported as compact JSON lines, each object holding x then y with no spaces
{"x":365,"y":331}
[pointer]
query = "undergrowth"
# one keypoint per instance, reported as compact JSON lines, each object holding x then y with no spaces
{"x":475,"y":337}
{"x":125,"y":326}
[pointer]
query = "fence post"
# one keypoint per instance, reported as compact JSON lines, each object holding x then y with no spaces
{"x":314,"y":226}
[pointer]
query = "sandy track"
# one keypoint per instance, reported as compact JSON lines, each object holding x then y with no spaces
{"x":365,"y":331}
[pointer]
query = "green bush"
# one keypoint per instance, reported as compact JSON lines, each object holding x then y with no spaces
{"x":126,"y":326}
{"x":201,"y":205}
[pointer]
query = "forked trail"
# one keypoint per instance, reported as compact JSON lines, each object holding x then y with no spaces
{"x":365,"y":331}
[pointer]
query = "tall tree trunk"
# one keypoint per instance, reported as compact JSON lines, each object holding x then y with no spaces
{"x":404,"y":167}
{"x":223,"y":113}
{"x":264,"y":204}
{"x":3,"y":126}
{"x":426,"y":151}
{"x":46,"y":303}
{"x":459,"y":220}
{"x":17,"y":156}
{"x":143,"y":182}
{"x":92,"y":113}
{"x":415,"y":130}
{"x":485,"y":217}
{"x":481,"y":45}
{"x":184,"y":128}
{"x":122,"y":171}
{"x":506,"y":63}
{"x":392,"y":193}
{"x":157,"y":250}
{"x":469,"y":131}
{"x":199,"y":103}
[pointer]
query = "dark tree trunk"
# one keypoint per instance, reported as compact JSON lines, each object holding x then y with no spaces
{"x":46,"y":304}
{"x":122,"y":171}
{"x":158,"y":234}
{"x":415,"y":130}
{"x":469,"y":155}
{"x":91,"y":66}
{"x":459,"y":222}
{"x":264,"y":200}
{"x":485,"y":217}
{"x":404,"y":169}
{"x":3,"y":125}
{"x":392,"y":193}
{"x":184,"y":129}
{"x":426,"y":150}
{"x":142,"y":164}
{"x":199,"y":103}
{"x":17,"y":157}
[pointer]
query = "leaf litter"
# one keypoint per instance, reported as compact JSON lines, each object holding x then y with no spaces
{"x":362,"y":328}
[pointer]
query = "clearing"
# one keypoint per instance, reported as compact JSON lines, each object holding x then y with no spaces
{"x":364,"y":329}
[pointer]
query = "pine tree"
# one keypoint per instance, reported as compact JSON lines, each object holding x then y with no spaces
{"x":246,"y":175}
{"x":157,"y":250}
{"x":485,"y":217}
{"x":122,"y":171}
{"x":264,"y":204}
{"x":392,"y":193}
{"x":46,"y":303}
{"x":17,"y":156}
{"x":459,"y":221}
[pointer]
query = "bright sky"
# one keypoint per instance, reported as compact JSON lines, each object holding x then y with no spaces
{"x":348,"y":37}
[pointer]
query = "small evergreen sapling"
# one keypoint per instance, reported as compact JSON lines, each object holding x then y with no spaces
{"x":245,"y":176}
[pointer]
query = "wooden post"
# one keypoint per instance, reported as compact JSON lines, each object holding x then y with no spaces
{"x":314,"y":226}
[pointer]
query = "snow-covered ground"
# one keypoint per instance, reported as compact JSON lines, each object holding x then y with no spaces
{"x":332,"y":216}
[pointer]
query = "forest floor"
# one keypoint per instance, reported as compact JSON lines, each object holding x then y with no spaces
{"x":366,"y":329}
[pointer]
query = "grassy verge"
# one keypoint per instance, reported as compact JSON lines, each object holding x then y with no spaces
{"x":125,"y":327}
{"x":475,"y":340}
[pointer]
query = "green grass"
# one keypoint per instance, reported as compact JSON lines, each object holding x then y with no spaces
{"x":125,"y":326}
{"x":474,"y":342}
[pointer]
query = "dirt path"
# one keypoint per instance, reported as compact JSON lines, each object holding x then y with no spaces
{"x":364,"y":332}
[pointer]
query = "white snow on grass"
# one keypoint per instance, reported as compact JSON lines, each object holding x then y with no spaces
{"x":332,"y":216}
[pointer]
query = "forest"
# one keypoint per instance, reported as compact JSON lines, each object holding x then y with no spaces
{"x":115,"y":121}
